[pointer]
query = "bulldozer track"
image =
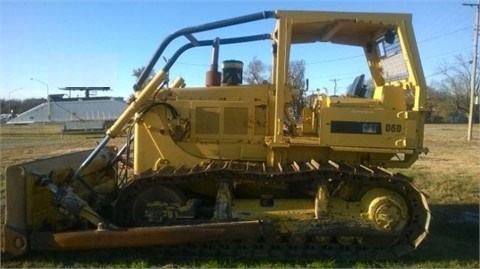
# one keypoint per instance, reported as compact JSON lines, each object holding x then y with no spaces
{"x":322,"y":172}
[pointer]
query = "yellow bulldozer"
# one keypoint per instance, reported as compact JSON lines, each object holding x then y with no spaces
{"x":225,"y":169}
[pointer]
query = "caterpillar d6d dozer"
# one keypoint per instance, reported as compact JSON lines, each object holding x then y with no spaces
{"x":225,"y":169}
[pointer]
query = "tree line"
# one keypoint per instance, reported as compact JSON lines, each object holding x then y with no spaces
{"x":447,"y":98}
{"x":16,"y":106}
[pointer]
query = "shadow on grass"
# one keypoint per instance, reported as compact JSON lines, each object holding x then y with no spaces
{"x":453,"y":241}
{"x":454,"y":234}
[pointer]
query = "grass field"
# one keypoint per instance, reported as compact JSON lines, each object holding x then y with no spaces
{"x":449,"y":175}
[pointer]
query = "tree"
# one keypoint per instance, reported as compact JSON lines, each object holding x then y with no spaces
{"x":257,"y":72}
{"x":296,"y":73}
{"x":438,"y":106}
{"x":138,"y":71}
{"x":455,"y":84}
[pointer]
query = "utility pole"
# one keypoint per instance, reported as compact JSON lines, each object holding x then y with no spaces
{"x":335,"y":84}
{"x":474,"y":69}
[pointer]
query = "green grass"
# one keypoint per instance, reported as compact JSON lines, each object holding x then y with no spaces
{"x":448,"y":175}
{"x":135,"y":258}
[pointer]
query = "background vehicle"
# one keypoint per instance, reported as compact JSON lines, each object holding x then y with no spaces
{"x":226,"y":164}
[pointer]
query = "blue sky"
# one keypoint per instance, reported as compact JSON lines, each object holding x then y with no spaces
{"x":99,"y":43}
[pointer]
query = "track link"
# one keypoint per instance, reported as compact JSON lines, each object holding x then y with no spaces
{"x":327,"y":172}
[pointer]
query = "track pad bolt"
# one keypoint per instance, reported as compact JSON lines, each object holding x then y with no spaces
{"x":19,"y":242}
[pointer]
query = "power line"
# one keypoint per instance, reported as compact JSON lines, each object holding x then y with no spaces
{"x":194,"y":64}
{"x":336,"y":75}
{"x":448,"y":69}
{"x":445,"y":34}
{"x":360,"y":55}
{"x":336,"y":59}
{"x":441,"y":22}
{"x":445,"y":53}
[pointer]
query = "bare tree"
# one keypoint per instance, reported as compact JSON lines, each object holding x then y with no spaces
{"x":257,"y":72}
{"x":296,"y":73}
{"x":456,"y":83}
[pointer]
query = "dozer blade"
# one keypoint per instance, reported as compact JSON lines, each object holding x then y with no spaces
{"x":145,"y":236}
{"x":28,"y":206}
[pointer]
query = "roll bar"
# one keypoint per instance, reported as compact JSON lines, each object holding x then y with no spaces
{"x":188,"y":31}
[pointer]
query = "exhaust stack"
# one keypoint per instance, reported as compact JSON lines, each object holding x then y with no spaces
{"x":213,"y":77}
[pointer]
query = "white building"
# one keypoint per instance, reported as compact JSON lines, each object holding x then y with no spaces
{"x":80,"y":113}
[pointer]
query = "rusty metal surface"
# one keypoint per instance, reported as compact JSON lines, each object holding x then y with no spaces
{"x":148,"y":236}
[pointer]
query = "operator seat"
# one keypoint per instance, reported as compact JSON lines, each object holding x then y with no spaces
{"x":357,"y":89}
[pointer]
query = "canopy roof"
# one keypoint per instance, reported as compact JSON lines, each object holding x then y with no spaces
{"x":339,"y":27}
